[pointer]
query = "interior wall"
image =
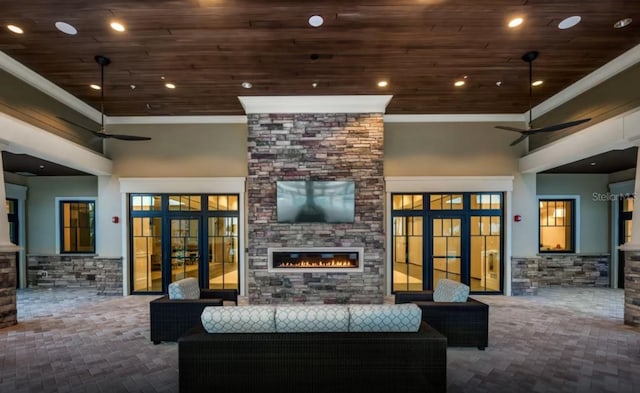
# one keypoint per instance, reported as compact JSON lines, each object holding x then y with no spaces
{"x":180,"y":150}
{"x":41,"y":218}
{"x":449,"y":149}
{"x":594,"y":206}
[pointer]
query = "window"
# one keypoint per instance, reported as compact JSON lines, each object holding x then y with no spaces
{"x":557,"y":225}
{"x":77,"y":222}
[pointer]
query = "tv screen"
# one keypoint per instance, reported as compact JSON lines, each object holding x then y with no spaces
{"x":315,"y":201}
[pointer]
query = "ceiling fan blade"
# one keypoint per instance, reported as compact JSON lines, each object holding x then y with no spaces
{"x":511,"y":128}
{"x":522,"y":137}
{"x":129,"y":137}
{"x":562,"y":126}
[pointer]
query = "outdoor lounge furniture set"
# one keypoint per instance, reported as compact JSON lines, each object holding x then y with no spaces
{"x":320,"y":348}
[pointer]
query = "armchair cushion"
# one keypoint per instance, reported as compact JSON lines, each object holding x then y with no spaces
{"x":450,"y":291}
{"x":187,"y":288}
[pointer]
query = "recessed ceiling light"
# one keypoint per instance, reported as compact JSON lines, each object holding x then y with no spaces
{"x":15,"y":29}
{"x":132,"y":87}
{"x":459,"y":83}
{"x":515,"y":22}
{"x":537,"y":83}
{"x":66,"y":28}
{"x":41,"y":167}
{"x":622,"y":23}
{"x":117,"y":26}
{"x":95,"y":87}
{"x":314,"y":84}
{"x":170,"y":85}
{"x":316,"y":21}
{"x":569,"y":22}
{"x":246,"y":85}
{"x":383,"y":84}
{"x":593,"y":164}
{"x":499,"y":83}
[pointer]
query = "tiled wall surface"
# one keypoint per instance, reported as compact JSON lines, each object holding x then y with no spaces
{"x":75,"y":271}
{"x":8,"y":314}
{"x":529,"y":274}
{"x":315,"y":147}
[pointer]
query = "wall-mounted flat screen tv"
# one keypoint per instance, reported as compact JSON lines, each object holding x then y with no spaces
{"x":315,"y":201}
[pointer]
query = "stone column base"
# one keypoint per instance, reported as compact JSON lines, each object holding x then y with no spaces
{"x":632,"y":288}
{"x":8,"y":308}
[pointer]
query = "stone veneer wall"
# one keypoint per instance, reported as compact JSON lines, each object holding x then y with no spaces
{"x":8,"y":307}
{"x":315,"y":147}
{"x":632,"y":288}
{"x":529,"y":274}
{"x":75,"y":271}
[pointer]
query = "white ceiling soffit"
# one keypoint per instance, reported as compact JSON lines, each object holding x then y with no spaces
{"x":114,"y":120}
{"x":18,"y":137}
{"x":469,"y":118}
{"x":316,"y":104}
{"x":617,"y":133}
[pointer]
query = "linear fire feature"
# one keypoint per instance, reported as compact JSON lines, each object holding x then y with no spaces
{"x":316,"y":259}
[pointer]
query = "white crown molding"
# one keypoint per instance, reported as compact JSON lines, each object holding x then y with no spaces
{"x":113,"y":120}
{"x":612,"y":68}
{"x":469,"y":118}
{"x":35,"y":80}
{"x":315,"y":104}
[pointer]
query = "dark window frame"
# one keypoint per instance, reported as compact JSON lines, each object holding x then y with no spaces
{"x":572,"y":248}
{"x":91,"y":227}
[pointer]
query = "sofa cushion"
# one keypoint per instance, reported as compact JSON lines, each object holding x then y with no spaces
{"x":187,"y":288}
{"x":312,"y":318}
{"x":384,"y":317}
{"x":450,"y":291}
{"x":245,"y":319}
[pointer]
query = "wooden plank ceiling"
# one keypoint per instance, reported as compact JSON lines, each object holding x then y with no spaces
{"x":207,"y":48}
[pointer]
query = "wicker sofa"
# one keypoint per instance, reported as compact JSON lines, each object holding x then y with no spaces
{"x":325,"y":359}
{"x":171,"y":317}
{"x":466,"y":324}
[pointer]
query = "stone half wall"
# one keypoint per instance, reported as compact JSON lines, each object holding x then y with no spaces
{"x":529,"y":274}
{"x":315,"y":147}
{"x":75,"y":271}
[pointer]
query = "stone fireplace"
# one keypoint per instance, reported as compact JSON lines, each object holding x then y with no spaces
{"x":320,"y":147}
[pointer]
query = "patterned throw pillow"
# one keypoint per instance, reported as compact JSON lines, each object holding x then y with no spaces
{"x":244,"y":319}
{"x":384,"y":317}
{"x":187,"y":288}
{"x":450,"y":291}
{"x":312,"y":318}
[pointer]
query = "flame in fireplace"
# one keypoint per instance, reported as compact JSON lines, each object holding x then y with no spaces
{"x":311,"y":264}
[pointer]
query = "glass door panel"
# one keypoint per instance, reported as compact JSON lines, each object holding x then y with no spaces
{"x":185,"y":248}
{"x":147,"y":254}
{"x":223,"y":252}
{"x":408,"y":256}
{"x":446,"y":248}
{"x":485,"y":253}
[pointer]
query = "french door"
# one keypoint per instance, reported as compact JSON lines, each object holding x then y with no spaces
{"x":457,"y":236}
{"x":179,"y":236}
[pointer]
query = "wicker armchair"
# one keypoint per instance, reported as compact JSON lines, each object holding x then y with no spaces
{"x":466,"y":324}
{"x":171,"y":318}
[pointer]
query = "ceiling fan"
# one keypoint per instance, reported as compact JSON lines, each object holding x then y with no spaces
{"x":101,"y":133}
{"x":529,"y":57}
